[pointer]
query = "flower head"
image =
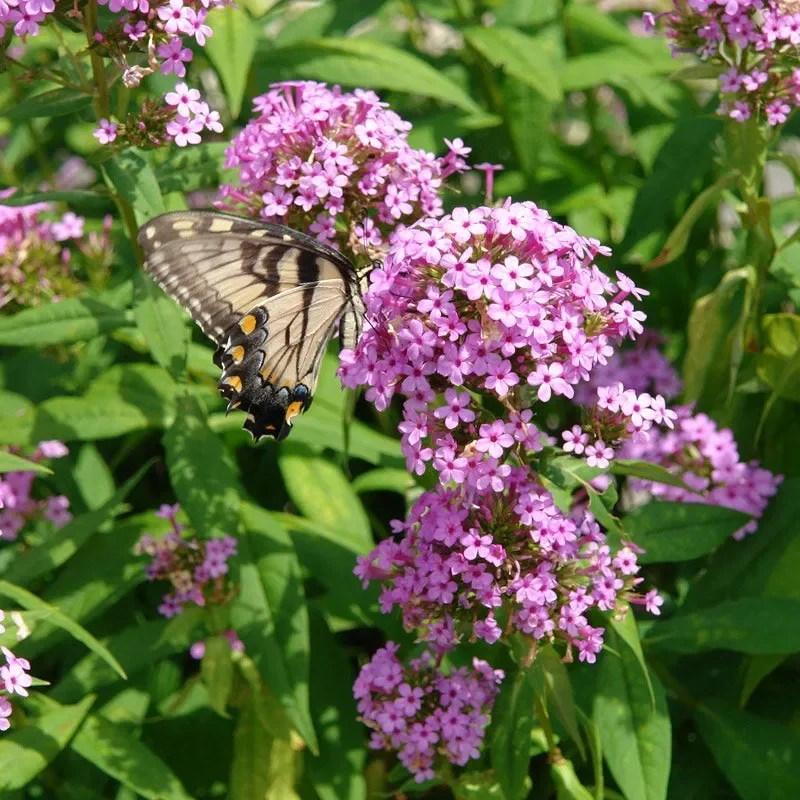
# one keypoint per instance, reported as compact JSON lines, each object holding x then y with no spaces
{"x":317,"y":156}
{"x":424,"y":713}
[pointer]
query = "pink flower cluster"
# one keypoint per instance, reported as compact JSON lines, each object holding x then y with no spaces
{"x":707,"y":459}
{"x":423,"y":713}
{"x":643,"y":368}
{"x":506,"y":552}
{"x":704,"y":456}
{"x":196,"y":569}
{"x":166,"y":21}
{"x":498,"y":301}
{"x":185,"y":115}
{"x":14,"y":679}
{"x":35,"y":257}
{"x":18,"y":507}
{"x":618,"y":415}
{"x":508,"y":304}
{"x":756,"y":40}
{"x":315,"y":157}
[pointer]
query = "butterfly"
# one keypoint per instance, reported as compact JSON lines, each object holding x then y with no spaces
{"x":269,"y":297}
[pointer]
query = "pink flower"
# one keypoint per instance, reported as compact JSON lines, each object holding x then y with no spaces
{"x":185,"y":131}
{"x":494,"y":439}
{"x":106,"y":131}
{"x":653,"y":602}
{"x":174,"y":55}
{"x":457,"y":409}
{"x":175,"y":17}
{"x":548,"y":378}
{"x":185,"y":100}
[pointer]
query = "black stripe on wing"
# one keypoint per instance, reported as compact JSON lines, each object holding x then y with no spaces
{"x":219,"y":266}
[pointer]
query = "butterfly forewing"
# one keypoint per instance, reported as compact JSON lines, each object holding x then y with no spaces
{"x":269,"y":296}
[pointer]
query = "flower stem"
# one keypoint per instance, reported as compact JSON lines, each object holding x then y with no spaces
{"x":544,"y":720}
{"x":101,"y":99}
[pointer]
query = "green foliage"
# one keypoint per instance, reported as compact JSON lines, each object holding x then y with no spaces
{"x":598,"y":125}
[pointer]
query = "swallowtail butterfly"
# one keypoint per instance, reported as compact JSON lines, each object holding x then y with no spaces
{"x":268,"y":296}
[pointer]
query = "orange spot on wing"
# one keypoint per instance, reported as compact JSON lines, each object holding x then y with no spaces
{"x":236,"y":382}
{"x":237,"y":353}
{"x":293,"y":410}
{"x":248,"y":324}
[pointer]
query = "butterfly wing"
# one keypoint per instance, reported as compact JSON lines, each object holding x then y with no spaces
{"x":269,"y":296}
{"x":270,"y":363}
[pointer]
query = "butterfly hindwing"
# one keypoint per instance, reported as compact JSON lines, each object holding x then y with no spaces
{"x":270,"y":363}
{"x":269,"y":296}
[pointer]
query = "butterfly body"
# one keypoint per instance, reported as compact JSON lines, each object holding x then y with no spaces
{"x":270,"y":297}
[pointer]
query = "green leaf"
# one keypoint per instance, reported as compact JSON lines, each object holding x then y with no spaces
{"x":780,"y":373}
{"x":11,"y":463}
{"x":760,"y":758}
{"x":781,"y":333}
{"x":72,"y":320}
{"x":646,"y":471}
{"x":187,"y":169}
{"x":383,"y":480}
{"x":251,"y":775}
{"x":363,"y":62}
{"x":217,"y":671}
{"x":271,"y":618}
{"x":17,"y":418}
{"x":126,"y":398}
{"x":135,"y":648}
{"x":778,"y":365}
{"x":323,"y":494}
{"x":273,"y":717}
{"x":677,"y":240}
{"x":600,"y":25}
{"x":734,"y":561}
{"x":780,"y":582}
{"x":93,"y":477}
{"x":513,"y":719}
{"x":119,"y":754}
{"x":76,"y":200}
{"x":691,"y":145}
{"x":330,"y":560}
{"x":636,"y":737}
{"x":26,"y":751}
{"x":568,"y":785}
{"x":552,"y":683}
{"x":338,"y":771}
{"x":163,"y":324}
{"x":21,"y":626}
{"x":767,"y":625}
{"x":202,"y":471}
{"x":528,"y":117}
{"x":129,"y":173}
{"x":519,"y":55}
{"x":231,"y":50}
{"x":716,"y":339}
{"x":102,"y":572}
{"x":628,"y":630}
{"x":32,"y":602}
{"x":56,"y":550}
{"x":681,"y":531}
{"x":613,"y":65}
{"x":53,"y":103}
